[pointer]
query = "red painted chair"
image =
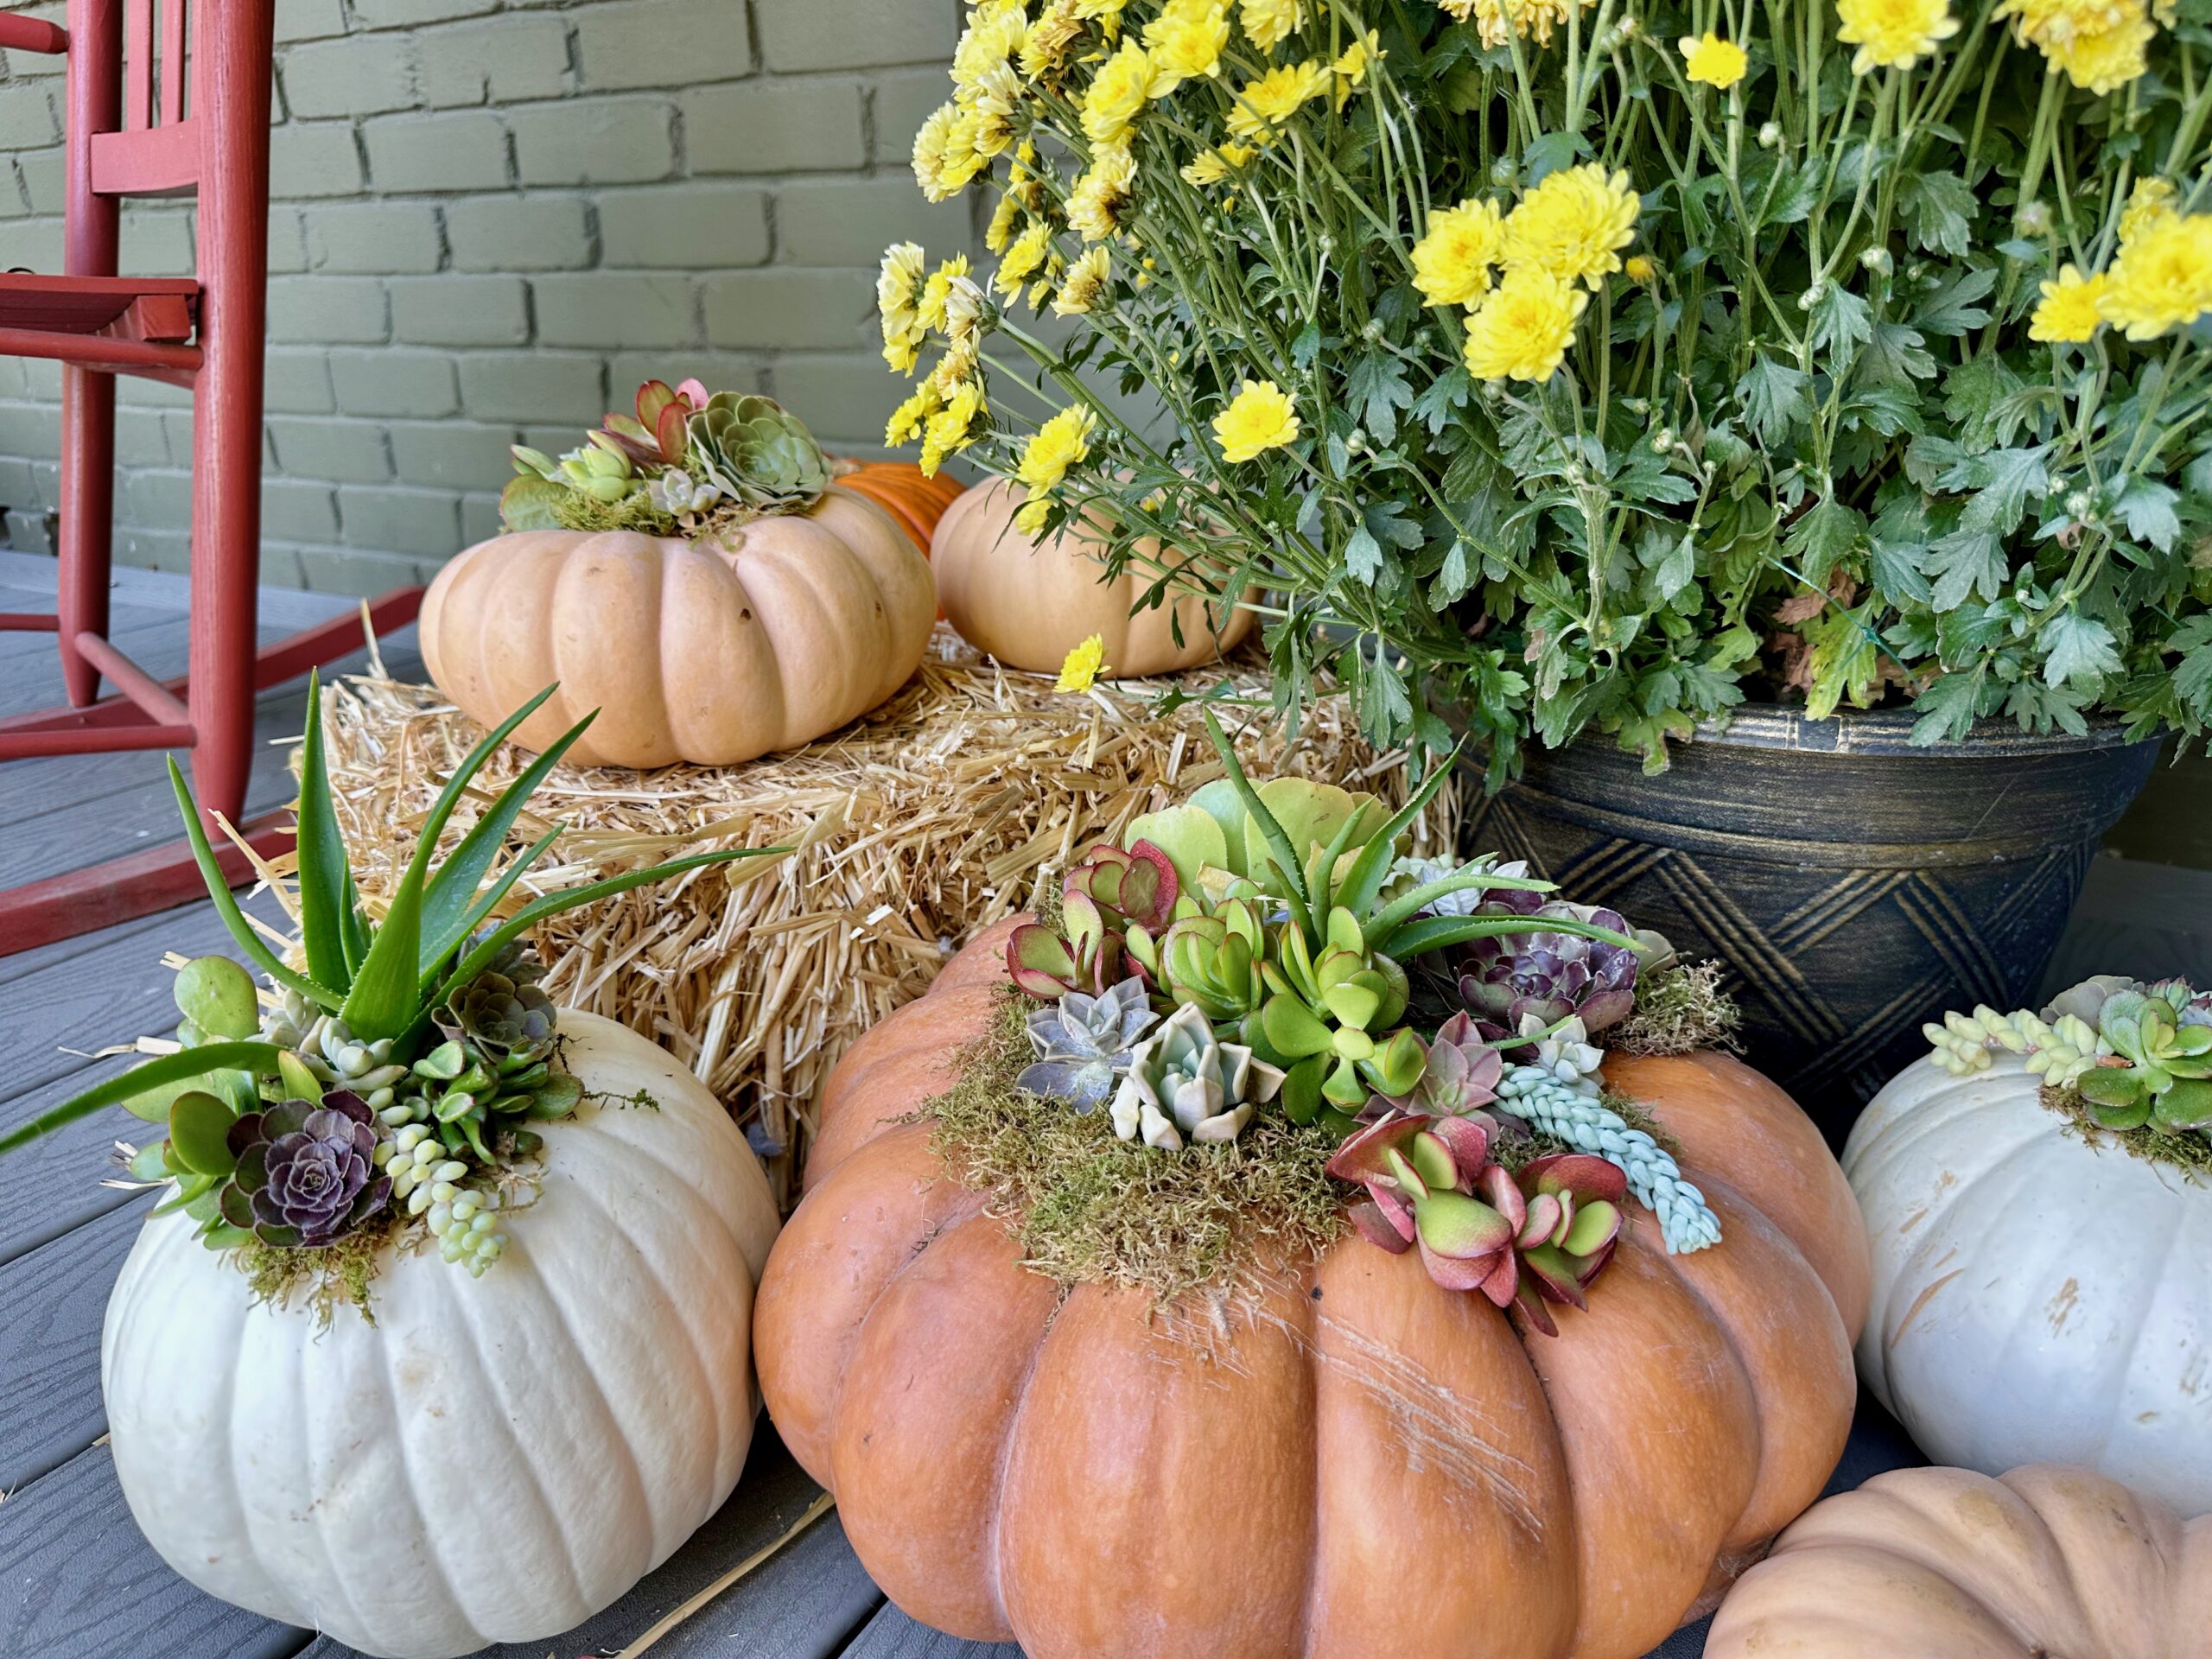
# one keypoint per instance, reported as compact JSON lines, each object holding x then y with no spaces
{"x":187,"y":114}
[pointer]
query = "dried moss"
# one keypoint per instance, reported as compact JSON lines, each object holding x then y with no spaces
{"x":325,"y":1279}
{"x":1680,"y":1009}
{"x":1089,"y":1208}
{"x":576,"y":510}
{"x":2185,"y":1150}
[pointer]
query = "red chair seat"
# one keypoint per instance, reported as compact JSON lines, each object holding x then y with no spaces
{"x":118,"y":308}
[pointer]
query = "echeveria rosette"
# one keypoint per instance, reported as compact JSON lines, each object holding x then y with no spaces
{"x":1110,"y":892}
{"x":1551,"y":975}
{"x":1084,"y":1042}
{"x":508,"y":1022}
{"x":1541,"y":1236}
{"x":304,"y":1173}
{"x":757,"y":453}
{"x":1459,"y":1076}
{"x":1186,"y":1082}
{"x":1210,"y":960}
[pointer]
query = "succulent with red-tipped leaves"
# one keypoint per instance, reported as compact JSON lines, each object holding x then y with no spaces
{"x":1460,"y":1077}
{"x":1541,"y":1236}
{"x":1100,"y":899}
{"x":660,"y":431}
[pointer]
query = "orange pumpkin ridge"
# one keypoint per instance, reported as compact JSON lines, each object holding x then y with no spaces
{"x":1065,"y":1471}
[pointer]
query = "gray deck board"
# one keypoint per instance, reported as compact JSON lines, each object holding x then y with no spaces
{"x":51,"y":1301}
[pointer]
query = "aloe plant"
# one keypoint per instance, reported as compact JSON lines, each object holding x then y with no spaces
{"x":382,"y":981}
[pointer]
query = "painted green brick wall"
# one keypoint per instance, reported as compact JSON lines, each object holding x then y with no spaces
{"x":490,"y":219}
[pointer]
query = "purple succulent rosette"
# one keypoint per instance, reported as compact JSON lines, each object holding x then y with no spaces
{"x":1549,"y":974}
{"x":306,"y":1174}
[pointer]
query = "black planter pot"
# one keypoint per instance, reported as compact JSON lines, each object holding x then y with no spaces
{"x":1854,"y":886}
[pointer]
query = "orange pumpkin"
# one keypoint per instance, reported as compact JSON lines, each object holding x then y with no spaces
{"x":1952,"y":1565}
{"x":1360,"y":1452}
{"x":901,"y":490}
{"x":1029,"y":603}
{"x":710,"y":653}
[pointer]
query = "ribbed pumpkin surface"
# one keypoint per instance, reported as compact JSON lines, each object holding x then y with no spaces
{"x":494,"y":1459}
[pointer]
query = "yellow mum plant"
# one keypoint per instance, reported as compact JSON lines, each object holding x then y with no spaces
{"x":1592,"y":366}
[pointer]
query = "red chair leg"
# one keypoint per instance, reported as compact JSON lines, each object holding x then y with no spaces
{"x":87,"y":520}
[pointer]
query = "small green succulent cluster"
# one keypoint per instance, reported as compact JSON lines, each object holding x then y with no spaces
{"x":391,"y":1073}
{"x":2136,"y":1054}
{"x":686,"y":462}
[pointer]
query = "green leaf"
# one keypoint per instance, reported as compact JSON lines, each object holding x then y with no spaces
{"x":2082,"y":649}
{"x":1939,"y":210}
{"x":1278,"y":840}
{"x":1947,"y":709}
{"x":1775,"y":397}
{"x":200,"y":1128}
{"x":449,"y":900}
{"x":1376,"y":390}
{"x":322,"y":863}
{"x":1823,"y":536}
{"x":1426,"y":933}
{"x":2193,"y":674}
{"x":1952,"y":308}
{"x":226,"y":905}
{"x":166,"y":1069}
{"x":1363,"y":555}
{"x":1965,"y":561}
{"x":2147,"y":508}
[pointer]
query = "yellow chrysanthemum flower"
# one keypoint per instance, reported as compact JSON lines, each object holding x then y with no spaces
{"x":1045,"y":47}
{"x":1218,"y":164}
{"x":2068,"y":313}
{"x":990,"y":109}
{"x":1083,"y":666}
{"x":896,"y":285}
{"x":948,"y":430}
{"x":1522,"y":331}
{"x":1000,"y":231}
{"x":906,"y":420}
{"x":1100,"y":196}
{"x":1638,"y":269}
{"x":2161,"y":278}
{"x":1268,"y":23}
{"x":1106,"y":14}
{"x":1259,"y":418}
{"x":1263,"y":105}
{"x":1023,"y":258}
{"x":2100,"y":44}
{"x":2150,"y":199}
{"x":935,"y":292}
{"x":1499,"y":21}
{"x":1573,"y":226}
{"x":1892,"y":33}
{"x":1118,"y":94}
{"x":1184,"y":42}
{"x":1709,"y":59}
{"x":1084,"y":283}
{"x":1451,"y":262}
{"x":992,"y":41}
{"x":1056,"y":445}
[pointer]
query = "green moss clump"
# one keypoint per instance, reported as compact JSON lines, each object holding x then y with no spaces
{"x":1088,"y":1208}
{"x":328,"y":1278}
{"x":2186,"y":1150}
{"x":1677,"y":1009}
{"x":577,"y":511}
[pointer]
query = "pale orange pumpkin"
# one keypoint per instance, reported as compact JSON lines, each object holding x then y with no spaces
{"x":710,"y":653}
{"x":1947,"y":1564}
{"x":1029,"y":603}
{"x":1361,"y":1462}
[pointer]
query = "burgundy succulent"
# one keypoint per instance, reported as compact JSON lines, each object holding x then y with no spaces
{"x":1538,"y":1237}
{"x":1549,"y":975}
{"x":1100,"y":899}
{"x":306,"y":1174}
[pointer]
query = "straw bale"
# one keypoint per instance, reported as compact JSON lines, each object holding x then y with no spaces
{"x":953,"y":805}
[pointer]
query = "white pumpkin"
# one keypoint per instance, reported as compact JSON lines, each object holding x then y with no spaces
{"x":2037,"y":1298}
{"x":494,"y":1459}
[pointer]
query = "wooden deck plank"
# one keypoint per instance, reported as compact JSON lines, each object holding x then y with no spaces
{"x":891,"y":1635}
{"x":52,"y":1302}
{"x":78,"y":1581}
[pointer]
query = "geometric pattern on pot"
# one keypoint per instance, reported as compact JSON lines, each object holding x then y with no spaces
{"x":2036,"y":1298}
{"x":494,"y":1459}
{"x":1945,"y":1564}
{"x":1946,"y":936}
{"x":1258,"y":1478}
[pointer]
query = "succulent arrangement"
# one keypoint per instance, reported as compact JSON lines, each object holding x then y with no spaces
{"x":1257,"y":949}
{"x":688,"y":461}
{"x":2136,"y":1055}
{"x":398,"y":1074}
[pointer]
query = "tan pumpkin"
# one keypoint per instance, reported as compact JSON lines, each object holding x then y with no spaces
{"x":1363,"y":1463}
{"x":1029,"y":603}
{"x":1947,"y":1564}
{"x":688,"y":651}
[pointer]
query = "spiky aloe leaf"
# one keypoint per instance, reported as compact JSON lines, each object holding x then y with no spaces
{"x":1428,"y":933}
{"x":449,"y":898}
{"x":167,"y":1069}
{"x":489,"y":899}
{"x":322,"y":861}
{"x":1363,"y":883}
{"x":1278,"y":838}
{"x":226,"y":905}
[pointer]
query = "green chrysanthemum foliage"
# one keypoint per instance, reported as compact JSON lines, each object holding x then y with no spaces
{"x":354,"y":1030}
{"x":757,"y":454}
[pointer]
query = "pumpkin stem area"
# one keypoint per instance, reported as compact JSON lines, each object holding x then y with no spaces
{"x":1086,"y":1207}
{"x":2187,"y":1150}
